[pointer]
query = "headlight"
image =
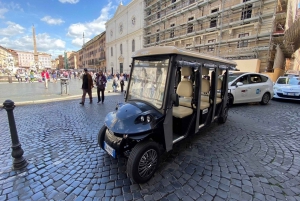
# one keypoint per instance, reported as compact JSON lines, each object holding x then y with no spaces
{"x":142,"y":118}
{"x":148,"y":118}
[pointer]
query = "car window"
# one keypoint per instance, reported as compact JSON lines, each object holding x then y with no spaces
{"x":255,"y":79}
{"x":243,"y":79}
{"x":282,"y":80}
{"x":264,"y":78}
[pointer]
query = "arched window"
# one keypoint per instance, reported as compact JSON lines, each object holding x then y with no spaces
{"x":111,"y":51}
{"x":121,"y":48}
{"x":133,"y":45}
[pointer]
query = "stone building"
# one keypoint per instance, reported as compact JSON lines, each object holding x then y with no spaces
{"x":73,"y":60}
{"x":124,"y":36}
{"x":92,"y":54}
{"x":247,"y":31}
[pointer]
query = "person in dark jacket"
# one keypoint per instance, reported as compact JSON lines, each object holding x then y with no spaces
{"x":87,"y":85}
{"x":101,"y":83}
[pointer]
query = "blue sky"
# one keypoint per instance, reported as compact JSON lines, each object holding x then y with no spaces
{"x":59,"y":24}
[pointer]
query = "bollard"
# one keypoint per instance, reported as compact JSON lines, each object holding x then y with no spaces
{"x":17,"y":152}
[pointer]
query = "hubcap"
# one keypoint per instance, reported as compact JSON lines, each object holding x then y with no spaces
{"x":147,"y":163}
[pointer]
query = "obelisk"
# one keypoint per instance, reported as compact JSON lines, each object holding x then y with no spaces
{"x":36,"y":56}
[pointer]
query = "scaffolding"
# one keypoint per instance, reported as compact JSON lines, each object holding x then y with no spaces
{"x":232,"y":29}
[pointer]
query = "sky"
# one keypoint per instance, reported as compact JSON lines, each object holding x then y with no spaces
{"x":59,"y":24}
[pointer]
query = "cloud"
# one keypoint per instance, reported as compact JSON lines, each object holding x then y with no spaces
{"x":69,"y":1}
{"x":12,"y":29}
{"x":2,"y":12}
{"x":52,"y":21}
{"x":90,"y":29}
{"x":44,"y":43}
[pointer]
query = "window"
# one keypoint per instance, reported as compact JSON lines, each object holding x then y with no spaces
{"x":148,"y":40}
{"x":213,"y":20}
{"x":111,"y":51}
{"x":243,"y":79}
{"x":192,"y":1}
{"x":243,"y":43}
{"x":149,"y":12}
{"x":246,"y":11}
{"x":157,"y":37}
{"x":158,"y":6}
{"x":121,"y":48}
{"x":133,"y":45}
{"x":174,"y":6}
{"x":158,"y":15}
{"x":190,"y":27}
{"x":255,"y":79}
{"x":211,"y":48}
{"x":172,"y":33}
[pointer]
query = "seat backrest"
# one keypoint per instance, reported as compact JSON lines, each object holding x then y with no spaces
{"x":219,"y":85}
{"x":205,"y":86}
{"x":185,"y":87}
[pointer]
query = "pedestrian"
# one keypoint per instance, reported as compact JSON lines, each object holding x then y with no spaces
{"x":101,"y":83}
{"x":122,"y":78}
{"x":115,"y":83}
{"x":47,"y":78}
{"x":87,"y":85}
{"x":26,"y":76}
{"x":31,"y":76}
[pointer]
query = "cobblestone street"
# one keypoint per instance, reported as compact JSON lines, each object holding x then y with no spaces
{"x":255,"y":155}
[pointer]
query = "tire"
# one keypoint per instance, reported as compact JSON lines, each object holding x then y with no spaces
{"x":101,"y":135}
{"x":146,"y":152}
{"x":265,"y":99}
{"x":223,"y":117}
{"x":230,"y":100}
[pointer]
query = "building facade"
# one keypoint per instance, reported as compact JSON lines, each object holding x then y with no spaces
{"x":26,"y":59}
{"x":92,"y":54}
{"x":239,"y":30}
{"x":8,"y":58}
{"x":124,"y":36}
{"x":73,"y":61}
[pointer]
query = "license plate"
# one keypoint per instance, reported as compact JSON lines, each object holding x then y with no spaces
{"x":291,"y":94}
{"x":110,"y":150}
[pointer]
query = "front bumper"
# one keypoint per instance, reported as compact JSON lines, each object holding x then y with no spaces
{"x":280,"y":95}
{"x":117,"y":143}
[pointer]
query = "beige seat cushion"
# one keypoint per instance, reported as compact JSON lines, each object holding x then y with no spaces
{"x":218,"y":100}
{"x":205,"y":98}
{"x":204,"y":105}
{"x":181,"y":112}
{"x":185,"y":101}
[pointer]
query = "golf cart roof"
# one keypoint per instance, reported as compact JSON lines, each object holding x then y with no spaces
{"x":165,"y":50}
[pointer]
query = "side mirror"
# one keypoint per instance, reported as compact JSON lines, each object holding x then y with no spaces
{"x":239,"y":84}
{"x":175,"y":100}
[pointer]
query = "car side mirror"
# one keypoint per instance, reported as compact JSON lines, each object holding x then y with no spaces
{"x":238,"y":84}
{"x":175,"y":100}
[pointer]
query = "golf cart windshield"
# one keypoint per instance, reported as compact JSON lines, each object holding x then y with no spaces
{"x":148,"y":79}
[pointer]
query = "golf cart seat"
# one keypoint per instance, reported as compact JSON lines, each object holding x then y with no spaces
{"x":184,"y":89}
{"x":206,"y":90}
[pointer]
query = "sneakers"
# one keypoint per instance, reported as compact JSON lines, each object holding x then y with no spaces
{"x":82,"y":103}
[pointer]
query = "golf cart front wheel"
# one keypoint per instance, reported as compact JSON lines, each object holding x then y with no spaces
{"x":143,"y":161}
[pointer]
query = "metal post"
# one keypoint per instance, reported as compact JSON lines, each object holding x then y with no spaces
{"x":17,"y":152}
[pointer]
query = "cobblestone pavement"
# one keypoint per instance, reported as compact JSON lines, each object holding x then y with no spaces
{"x":253,"y":156}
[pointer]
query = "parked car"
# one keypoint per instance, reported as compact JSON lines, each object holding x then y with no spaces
{"x":287,"y":87}
{"x":249,"y":87}
{"x":154,"y":116}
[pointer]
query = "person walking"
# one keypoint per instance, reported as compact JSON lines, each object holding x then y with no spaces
{"x":122,"y":79}
{"x":87,"y":85}
{"x":101,"y":83}
{"x":47,"y":78}
{"x":31,"y":76}
{"x":115,"y":83}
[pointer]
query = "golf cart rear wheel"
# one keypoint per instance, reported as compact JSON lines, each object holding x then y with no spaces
{"x":143,"y":161}
{"x":101,"y":135}
{"x":223,"y":117}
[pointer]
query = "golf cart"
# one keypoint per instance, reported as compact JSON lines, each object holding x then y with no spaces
{"x":167,"y":100}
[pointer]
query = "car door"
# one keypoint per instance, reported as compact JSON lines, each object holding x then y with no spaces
{"x":241,"y":93}
{"x":256,"y":87}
